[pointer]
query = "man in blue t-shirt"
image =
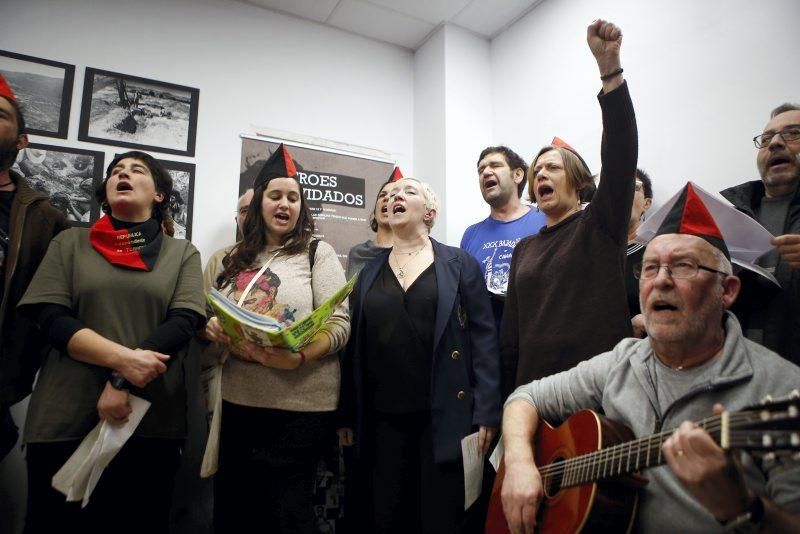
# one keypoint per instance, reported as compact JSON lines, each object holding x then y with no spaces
{"x":501,"y":176}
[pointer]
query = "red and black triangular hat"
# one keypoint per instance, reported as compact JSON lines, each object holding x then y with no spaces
{"x":397,"y":174}
{"x":689,"y":215}
{"x":279,"y":165}
{"x":557,"y":141}
{"x":5,"y":90}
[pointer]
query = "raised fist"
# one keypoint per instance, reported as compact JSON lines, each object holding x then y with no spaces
{"x":605,"y":40}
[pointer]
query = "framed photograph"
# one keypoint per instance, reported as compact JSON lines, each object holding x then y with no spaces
{"x":69,"y":175}
{"x":123,"y":110}
{"x":44,"y":88}
{"x":181,"y":201}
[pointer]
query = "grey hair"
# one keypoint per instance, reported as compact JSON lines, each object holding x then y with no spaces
{"x":783,"y":108}
{"x":723,"y":263}
{"x":431,"y":200}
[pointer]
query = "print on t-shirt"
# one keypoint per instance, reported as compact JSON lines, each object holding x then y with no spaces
{"x":492,"y":243}
{"x":497,"y":263}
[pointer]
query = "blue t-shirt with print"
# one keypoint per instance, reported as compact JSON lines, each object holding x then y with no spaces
{"x":492,"y":242}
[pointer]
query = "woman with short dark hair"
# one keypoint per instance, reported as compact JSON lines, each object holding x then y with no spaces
{"x":119,"y":302}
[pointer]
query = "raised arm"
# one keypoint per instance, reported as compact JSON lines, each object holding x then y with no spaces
{"x":610,"y":206}
{"x":605,"y":41}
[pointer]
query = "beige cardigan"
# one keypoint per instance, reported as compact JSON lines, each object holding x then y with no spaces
{"x":287,"y":289}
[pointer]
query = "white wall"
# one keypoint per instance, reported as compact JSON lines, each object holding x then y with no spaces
{"x":468,"y":110}
{"x":253,"y":67}
{"x":429,"y":121}
{"x":704,"y":76}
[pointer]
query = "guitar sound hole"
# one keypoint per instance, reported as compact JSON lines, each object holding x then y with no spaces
{"x":551,"y":482}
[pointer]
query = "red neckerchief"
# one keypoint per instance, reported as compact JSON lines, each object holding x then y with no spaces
{"x":134,"y":248}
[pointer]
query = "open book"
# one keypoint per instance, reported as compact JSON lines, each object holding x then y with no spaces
{"x":239,"y":323}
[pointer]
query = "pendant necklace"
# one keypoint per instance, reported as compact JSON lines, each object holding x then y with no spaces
{"x":401,"y":268}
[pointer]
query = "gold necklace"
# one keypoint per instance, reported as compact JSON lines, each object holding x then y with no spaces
{"x":400,"y":268}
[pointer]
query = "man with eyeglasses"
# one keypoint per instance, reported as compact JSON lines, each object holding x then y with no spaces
{"x":770,"y":315}
{"x":695,"y":360}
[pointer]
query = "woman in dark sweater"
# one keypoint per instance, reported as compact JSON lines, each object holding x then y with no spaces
{"x":566,"y":295}
{"x":420,"y":372}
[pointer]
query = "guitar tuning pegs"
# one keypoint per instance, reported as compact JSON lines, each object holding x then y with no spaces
{"x":766,"y":400}
{"x":795,"y":394}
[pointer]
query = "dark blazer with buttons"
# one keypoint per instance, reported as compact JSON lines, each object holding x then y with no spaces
{"x":465,"y":378}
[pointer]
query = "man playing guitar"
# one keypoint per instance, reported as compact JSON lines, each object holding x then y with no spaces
{"x":694,"y":360}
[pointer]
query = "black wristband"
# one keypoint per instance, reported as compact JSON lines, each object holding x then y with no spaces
{"x":118,"y":381}
{"x":611,"y":74}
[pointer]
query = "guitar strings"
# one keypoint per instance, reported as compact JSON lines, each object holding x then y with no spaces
{"x":598,"y":461}
{"x":627,"y":448}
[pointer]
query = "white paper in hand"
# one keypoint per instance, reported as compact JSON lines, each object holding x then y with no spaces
{"x":473,"y":469}
{"x":497,"y":454}
{"x":79,"y":476}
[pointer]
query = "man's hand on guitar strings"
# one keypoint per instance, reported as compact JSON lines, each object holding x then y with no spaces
{"x":712,"y":475}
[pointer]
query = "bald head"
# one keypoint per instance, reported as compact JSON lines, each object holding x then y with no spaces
{"x":241,"y":208}
{"x":684,"y":302}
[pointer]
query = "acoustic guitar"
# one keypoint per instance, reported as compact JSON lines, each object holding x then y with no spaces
{"x":590,"y":465}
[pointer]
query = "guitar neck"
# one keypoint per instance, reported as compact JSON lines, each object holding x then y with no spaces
{"x":631,"y":456}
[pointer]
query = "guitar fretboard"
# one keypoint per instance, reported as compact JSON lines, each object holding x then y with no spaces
{"x":636,"y":455}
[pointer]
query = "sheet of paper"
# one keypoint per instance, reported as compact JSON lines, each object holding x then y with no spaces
{"x":473,"y":469}
{"x":497,"y":454}
{"x":80,"y":474}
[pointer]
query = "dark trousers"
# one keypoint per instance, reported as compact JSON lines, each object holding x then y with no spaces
{"x":267,"y":468}
{"x":410,"y":492}
{"x":134,"y":493}
{"x":8,"y":432}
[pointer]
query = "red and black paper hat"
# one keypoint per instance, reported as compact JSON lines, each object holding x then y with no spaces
{"x":5,"y":90}
{"x":397,"y":174}
{"x":560,"y":143}
{"x":279,"y":165}
{"x":689,"y":215}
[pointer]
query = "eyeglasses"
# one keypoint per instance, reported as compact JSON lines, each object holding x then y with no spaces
{"x":638,"y":186}
{"x":680,"y":271}
{"x":792,"y":133}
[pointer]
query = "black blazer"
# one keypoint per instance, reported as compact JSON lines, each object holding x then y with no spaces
{"x":465,"y":378}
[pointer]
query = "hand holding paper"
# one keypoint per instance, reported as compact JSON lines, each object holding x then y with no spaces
{"x":788,"y":246}
{"x":113,"y":405}
{"x":79,"y":476}
{"x":473,"y":469}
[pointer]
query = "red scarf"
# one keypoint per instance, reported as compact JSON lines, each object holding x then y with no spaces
{"x":134,"y":248}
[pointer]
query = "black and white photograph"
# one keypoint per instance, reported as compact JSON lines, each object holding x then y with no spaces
{"x":44,"y":88}
{"x":123,"y":110}
{"x":182,"y":199}
{"x":69,"y":175}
